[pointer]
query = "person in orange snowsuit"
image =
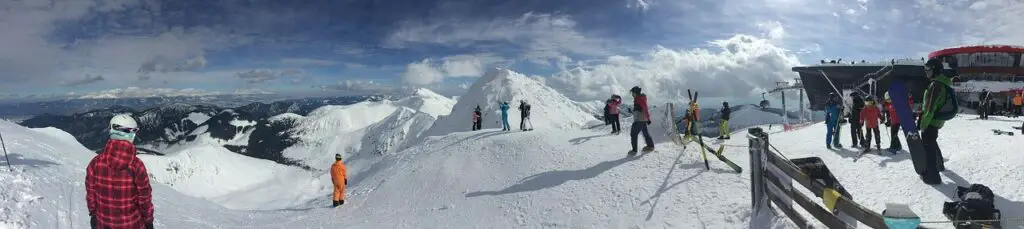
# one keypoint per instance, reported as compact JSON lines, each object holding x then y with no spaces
{"x":339,"y":179}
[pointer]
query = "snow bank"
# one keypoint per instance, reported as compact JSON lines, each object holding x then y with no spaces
{"x":214,"y":173}
{"x":427,"y":101}
{"x":549,"y":108}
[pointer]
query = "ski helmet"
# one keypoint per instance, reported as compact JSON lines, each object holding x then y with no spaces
{"x":124,"y":122}
{"x":337,"y":156}
{"x":725,"y":104}
{"x":635,"y":90}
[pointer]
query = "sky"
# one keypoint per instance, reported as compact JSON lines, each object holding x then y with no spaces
{"x":585,"y":48}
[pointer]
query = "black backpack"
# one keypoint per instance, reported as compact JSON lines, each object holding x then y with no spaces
{"x":976,"y":202}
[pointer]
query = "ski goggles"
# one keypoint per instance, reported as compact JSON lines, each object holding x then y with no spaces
{"x":125,"y":129}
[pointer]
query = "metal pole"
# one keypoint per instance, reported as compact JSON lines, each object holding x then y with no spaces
{"x":802,"y":106}
{"x":4,"y":145}
{"x":757,"y":183}
{"x":785,"y":113}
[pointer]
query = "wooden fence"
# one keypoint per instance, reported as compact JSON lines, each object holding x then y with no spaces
{"x":772,"y":176}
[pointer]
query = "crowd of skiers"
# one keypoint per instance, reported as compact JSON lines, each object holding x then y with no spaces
{"x":524,"y":116}
{"x":939,"y":105}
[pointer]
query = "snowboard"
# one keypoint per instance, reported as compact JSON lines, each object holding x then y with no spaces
{"x":718,"y":154}
{"x":1001,"y":132}
{"x":898,"y":92}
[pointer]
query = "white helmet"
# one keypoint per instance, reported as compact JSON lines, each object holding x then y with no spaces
{"x":123,"y":120}
{"x":887,"y":96}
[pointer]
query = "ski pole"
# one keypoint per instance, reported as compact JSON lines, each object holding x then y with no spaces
{"x":4,"y":146}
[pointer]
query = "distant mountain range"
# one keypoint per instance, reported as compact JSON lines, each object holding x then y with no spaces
{"x":24,"y":110}
{"x":247,"y":129}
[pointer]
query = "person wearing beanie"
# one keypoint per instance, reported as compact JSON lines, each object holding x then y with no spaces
{"x":339,"y":179}
{"x":641,"y":119}
{"x":117,"y":189}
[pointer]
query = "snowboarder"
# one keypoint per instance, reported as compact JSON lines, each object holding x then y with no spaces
{"x":477,"y":119}
{"x":939,"y":105}
{"x":893,"y":122}
{"x":832,"y":107}
{"x":613,"y":113}
{"x":856,"y":133}
{"x":117,"y":190}
{"x":504,"y":116}
{"x":524,"y":112}
{"x":641,"y":119}
{"x":340,"y":180}
{"x":870,"y":117}
{"x":723,"y":127}
{"x":983,"y":104}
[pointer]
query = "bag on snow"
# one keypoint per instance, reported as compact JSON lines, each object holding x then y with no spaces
{"x":976,"y":202}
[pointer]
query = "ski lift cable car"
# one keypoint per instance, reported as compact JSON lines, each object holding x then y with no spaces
{"x":764,"y":101}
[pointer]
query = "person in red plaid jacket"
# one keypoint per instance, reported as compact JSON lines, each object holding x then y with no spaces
{"x":117,"y":188}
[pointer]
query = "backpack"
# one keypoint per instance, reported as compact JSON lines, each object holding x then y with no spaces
{"x":951,"y":106}
{"x":975,"y":203}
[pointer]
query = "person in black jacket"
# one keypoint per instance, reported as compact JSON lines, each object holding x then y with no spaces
{"x":723,"y":125}
{"x":524,"y":112}
{"x":983,"y":104}
{"x":477,"y":117}
{"x":856,"y":134}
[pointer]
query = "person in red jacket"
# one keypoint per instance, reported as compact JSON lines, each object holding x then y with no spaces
{"x":641,"y":119}
{"x":870,"y":116}
{"x":117,"y":191}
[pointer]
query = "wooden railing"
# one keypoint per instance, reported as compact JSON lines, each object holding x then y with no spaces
{"x":772,"y":176}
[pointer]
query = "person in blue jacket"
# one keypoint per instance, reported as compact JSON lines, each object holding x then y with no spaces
{"x":504,"y":117}
{"x":832,"y":119}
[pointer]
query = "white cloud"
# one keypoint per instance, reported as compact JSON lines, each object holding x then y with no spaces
{"x":308,"y":62}
{"x":263,"y":75}
{"x":137,"y":92}
{"x":358,"y":87}
{"x":543,"y":37}
{"x":740,"y":66}
{"x":430,"y":71}
{"x":421,"y":73}
{"x":642,"y":5}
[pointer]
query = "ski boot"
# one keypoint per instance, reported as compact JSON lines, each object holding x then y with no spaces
{"x":631,"y":153}
{"x":648,"y":149}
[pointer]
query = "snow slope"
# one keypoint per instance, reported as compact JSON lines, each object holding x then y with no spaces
{"x":429,"y":102}
{"x":45,"y":189}
{"x":550,"y":109}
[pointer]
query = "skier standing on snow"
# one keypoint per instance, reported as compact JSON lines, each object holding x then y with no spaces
{"x":832,"y":121}
{"x":723,"y":127}
{"x":477,"y":119}
{"x":983,"y":103}
{"x":504,"y":117}
{"x":524,"y":111}
{"x":613,"y":113}
{"x":893,"y":122}
{"x":117,"y":190}
{"x":870,"y":117}
{"x":939,"y":105}
{"x":339,"y":179}
{"x":856,"y":133}
{"x":641,"y":119}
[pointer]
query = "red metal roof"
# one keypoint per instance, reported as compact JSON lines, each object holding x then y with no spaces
{"x":976,"y":49}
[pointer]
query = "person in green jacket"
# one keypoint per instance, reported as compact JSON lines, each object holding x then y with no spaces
{"x":934,"y":102}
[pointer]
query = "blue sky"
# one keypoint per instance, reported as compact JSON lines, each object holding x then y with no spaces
{"x":587,"y":48}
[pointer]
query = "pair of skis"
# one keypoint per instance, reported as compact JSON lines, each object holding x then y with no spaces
{"x":704,"y":148}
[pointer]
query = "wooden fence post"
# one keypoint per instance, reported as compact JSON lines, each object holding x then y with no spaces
{"x":758,"y":142}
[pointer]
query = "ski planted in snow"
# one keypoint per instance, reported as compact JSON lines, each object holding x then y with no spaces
{"x":898,"y":93}
{"x":689,"y":127}
{"x":718,"y":153}
{"x":1001,"y":132}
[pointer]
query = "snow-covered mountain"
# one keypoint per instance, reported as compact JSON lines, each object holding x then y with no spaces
{"x":407,"y":170}
{"x":549,"y":108}
{"x":429,"y":102}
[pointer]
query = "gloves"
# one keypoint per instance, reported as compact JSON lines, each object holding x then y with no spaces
{"x":92,"y":220}
{"x":149,"y":225}
{"x":648,"y":122}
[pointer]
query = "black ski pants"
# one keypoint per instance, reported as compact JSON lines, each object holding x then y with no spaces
{"x":867,"y":137}
{"x":476,"y":125}
{"x":894,"y":136}
{"x":616,"y":125}
{"x":856,"y":134}
{"x":635,"y":130}
{"x":933,"y":155}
